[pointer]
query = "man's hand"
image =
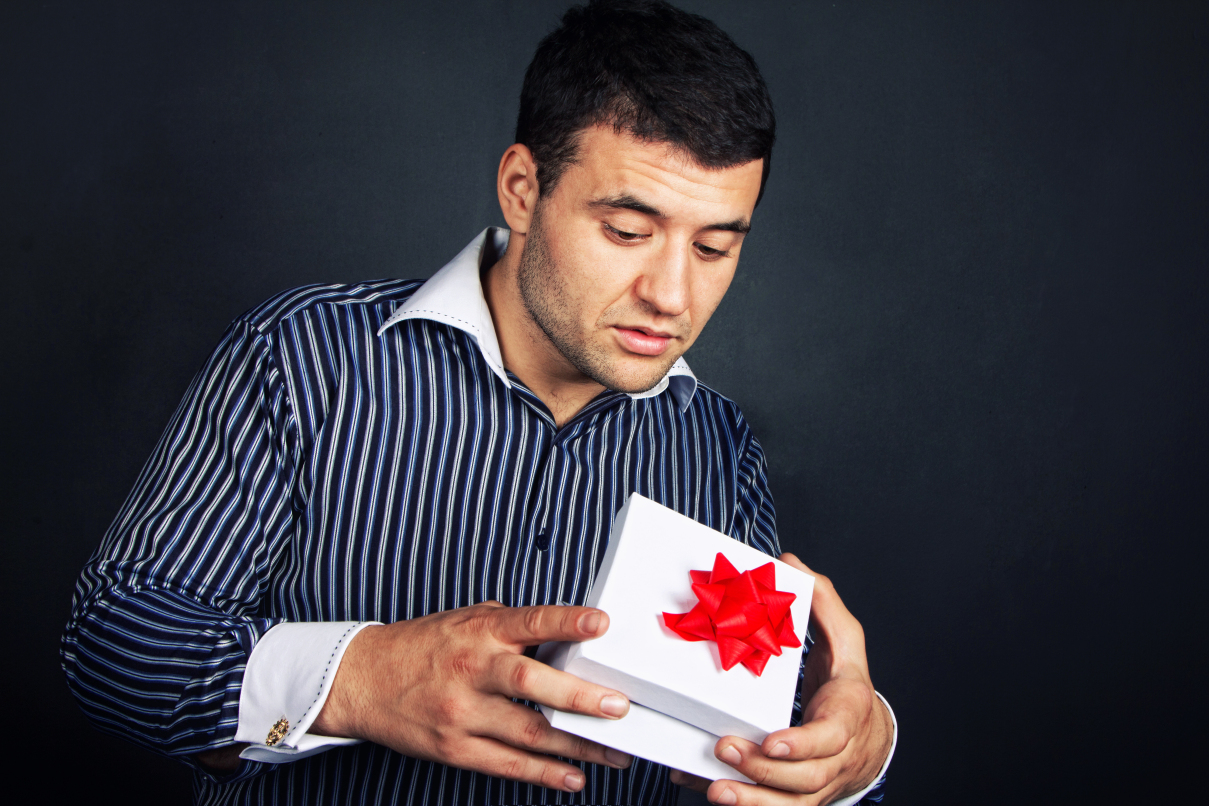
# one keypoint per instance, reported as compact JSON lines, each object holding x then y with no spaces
{"x":846,"y":732}
{"x":440,"y":688}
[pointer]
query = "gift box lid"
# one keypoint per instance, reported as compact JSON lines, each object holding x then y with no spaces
{"x":644,"y":574}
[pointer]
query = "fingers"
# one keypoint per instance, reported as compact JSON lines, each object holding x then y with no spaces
{"x":792,"y":559}
{"x":810,"y":776}
{"x":518,"y":744}
{"x":496,"y":758}
{"x":442,"y":685}
{"x":826,"y":606}
{"x":526,"y":729}
{"x":733,"y":793}
{"x":525,"y":626}
{"x":522,"y":678}
{"x":825,"y":600}
{"x":834,"y":624}
{"x":820,"y":739}
{"x":823,"y":736}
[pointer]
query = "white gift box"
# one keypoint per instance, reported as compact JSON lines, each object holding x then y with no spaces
{"x":650,"y":734}
{"x":686,"y":699}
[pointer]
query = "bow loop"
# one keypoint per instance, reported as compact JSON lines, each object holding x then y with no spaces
{"x":710,"y":595}
{"x":723,"y":570}
{"x":743,"y":613}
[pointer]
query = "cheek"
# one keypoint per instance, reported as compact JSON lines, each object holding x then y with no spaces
{"x":600,"y":273}
{"x":708,"y":292}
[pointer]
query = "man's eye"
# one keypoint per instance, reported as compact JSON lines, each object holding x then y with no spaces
{"x":625,"y":236}
{"x":711,"y":252}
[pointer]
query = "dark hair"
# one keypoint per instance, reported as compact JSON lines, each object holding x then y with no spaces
{"x":648,"y":68}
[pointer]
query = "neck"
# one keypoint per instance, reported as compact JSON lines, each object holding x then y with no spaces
{"x":528,"y":353}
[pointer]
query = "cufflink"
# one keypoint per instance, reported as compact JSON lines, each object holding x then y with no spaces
{"x":278,"y":732}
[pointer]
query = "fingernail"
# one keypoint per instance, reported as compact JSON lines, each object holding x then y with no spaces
{"x":614,"y":705}
{"x":590,"y":622}
{"x":677,"y":777}
{"x":617,"y":758}
{"x":779,"y":750}
{"x":726,"y":797}
{"x":575,"y":781}
{"x":731,"y":756}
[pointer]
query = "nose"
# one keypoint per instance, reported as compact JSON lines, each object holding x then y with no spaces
{"x":664,"y":282}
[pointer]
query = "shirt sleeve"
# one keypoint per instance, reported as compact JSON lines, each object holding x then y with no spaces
{"x":755,"y":524}
{"x":285,"y":685}
{"x":755,"y":520}
{"x":169,"y":607}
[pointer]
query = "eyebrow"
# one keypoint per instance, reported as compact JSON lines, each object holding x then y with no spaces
{"x":626,"y":201}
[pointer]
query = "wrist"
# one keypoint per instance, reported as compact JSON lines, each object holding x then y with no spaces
{"x":339,"y":715}
{"x":881,"y":742}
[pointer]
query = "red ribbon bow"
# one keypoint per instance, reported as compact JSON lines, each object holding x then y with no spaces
{"x":743,"y":613}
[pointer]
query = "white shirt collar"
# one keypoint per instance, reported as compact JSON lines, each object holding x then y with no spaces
{"x":454,"y":296}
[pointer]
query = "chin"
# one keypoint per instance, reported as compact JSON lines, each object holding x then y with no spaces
{"x":633,"y":380}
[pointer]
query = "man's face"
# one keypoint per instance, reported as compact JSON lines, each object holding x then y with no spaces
{"x":628,"y":257}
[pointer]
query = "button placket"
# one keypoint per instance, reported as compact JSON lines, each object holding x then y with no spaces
{"x":543,"y":536}
{"x":545,"y":530}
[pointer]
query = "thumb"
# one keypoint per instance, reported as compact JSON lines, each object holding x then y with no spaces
{"x":837,"y":626}
{"x":826,"y":602}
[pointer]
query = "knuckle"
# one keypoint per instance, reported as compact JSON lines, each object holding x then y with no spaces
{"x":447,"y":745}
{"x":839,"y":740}
{"x":482,"y":619}
{"x":534,"y":732}
{"x":579,"y":700}
{"x":582,"y":748}
{"x":814,"y":779}
{"x":513,"y":768}
{"x":464,"y":664}
{"x":521,"y":677}
{"x":761,"y":773}
{"x":450,"y":711}
{"x":534,"y":618}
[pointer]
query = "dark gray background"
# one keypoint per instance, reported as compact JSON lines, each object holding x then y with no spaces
{"x":969,"y":326}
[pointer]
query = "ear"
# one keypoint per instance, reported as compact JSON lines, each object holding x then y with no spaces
{"x":516,"y":185}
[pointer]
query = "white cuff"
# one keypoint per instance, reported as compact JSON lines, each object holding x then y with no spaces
{"x":851,"y":800}
{"x":285,"y":685}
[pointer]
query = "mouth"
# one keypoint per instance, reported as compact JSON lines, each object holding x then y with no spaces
{"x":643,"y":340}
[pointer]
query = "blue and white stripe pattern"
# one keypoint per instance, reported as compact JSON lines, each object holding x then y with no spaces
{"x":319,"y":471}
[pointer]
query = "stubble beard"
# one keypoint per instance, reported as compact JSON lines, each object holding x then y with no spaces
{"x":552,"y":308}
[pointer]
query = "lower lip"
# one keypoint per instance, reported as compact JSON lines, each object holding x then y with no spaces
{"x":638,"y":342}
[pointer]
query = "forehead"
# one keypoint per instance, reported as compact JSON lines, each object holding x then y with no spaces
{"x":608,"y":162}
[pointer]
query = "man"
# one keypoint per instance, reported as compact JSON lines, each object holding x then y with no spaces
{"x":374,"y":498}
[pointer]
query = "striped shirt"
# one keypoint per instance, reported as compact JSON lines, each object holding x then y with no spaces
{"x":335,"y":460}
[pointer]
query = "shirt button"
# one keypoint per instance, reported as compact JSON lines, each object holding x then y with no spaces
{"x":542,"y":540}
